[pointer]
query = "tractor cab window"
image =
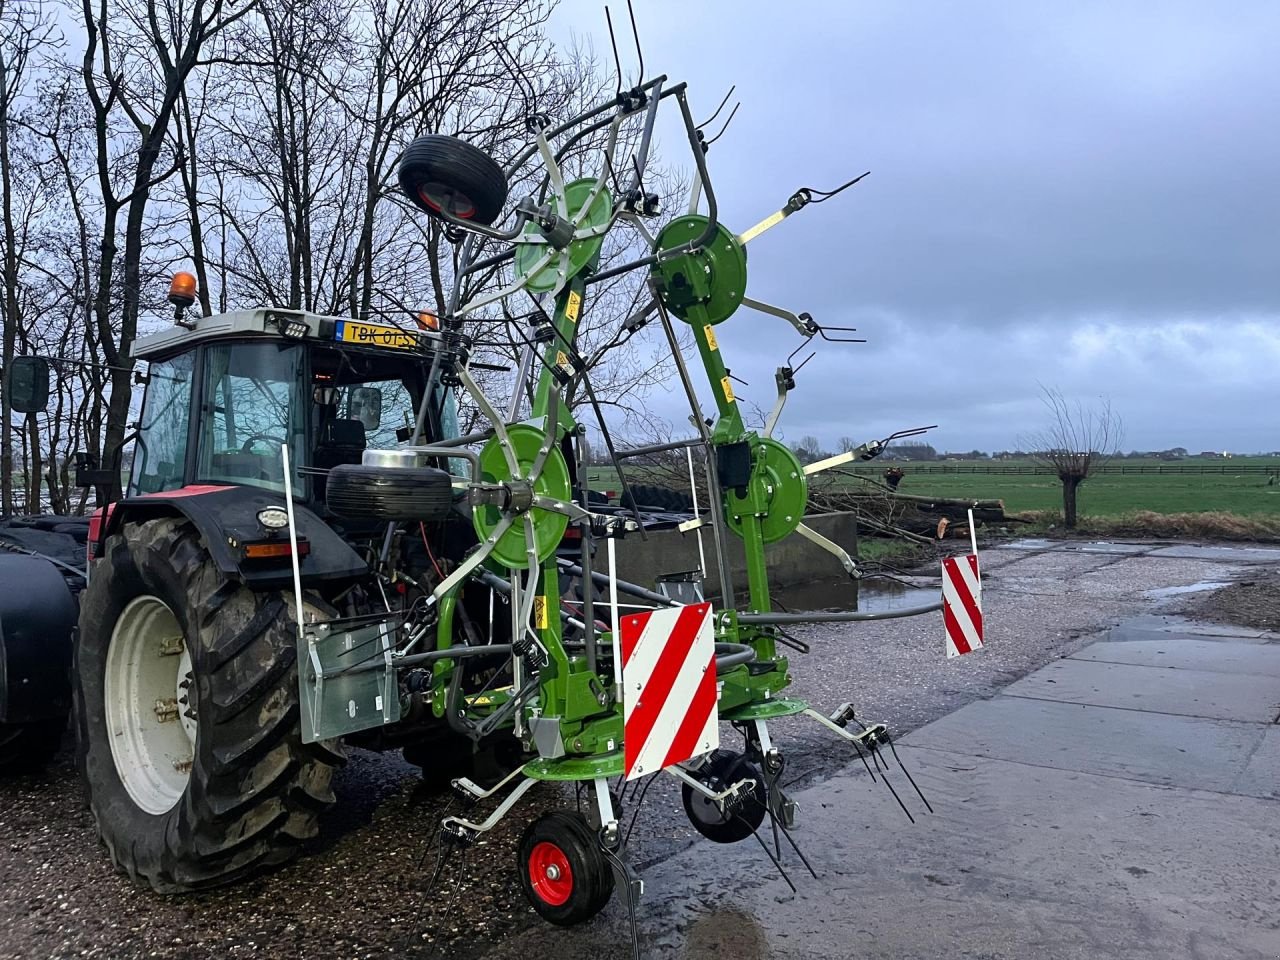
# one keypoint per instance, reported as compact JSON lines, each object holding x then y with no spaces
{"x":384,"y":408}
{"x":160,"y":456}
{"x":252,"y":405}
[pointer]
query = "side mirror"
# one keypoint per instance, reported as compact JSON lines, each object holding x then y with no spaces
{"x":365,"y":405}
{"x":29,"y":384}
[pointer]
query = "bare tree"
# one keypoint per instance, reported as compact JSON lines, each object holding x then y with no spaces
{"x":24,"y":28}
{"x":256,"y":142}
{"x":137,"y":61}
{"x":1076,"y":441}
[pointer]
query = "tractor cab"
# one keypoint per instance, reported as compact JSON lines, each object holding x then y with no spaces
{"x":225,"y":393}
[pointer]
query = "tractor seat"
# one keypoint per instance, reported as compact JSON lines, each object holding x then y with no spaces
{"x":341,"y":441}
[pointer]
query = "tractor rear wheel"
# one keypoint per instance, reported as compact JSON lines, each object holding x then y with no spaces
{"x":187,"y":717}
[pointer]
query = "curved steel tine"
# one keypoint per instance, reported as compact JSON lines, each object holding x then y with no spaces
{"x":732,"y":113}
{"x":636,"y":36}
{"x":711,"y":119}
{"x":613,"y":42}
{"x":791,"y":356}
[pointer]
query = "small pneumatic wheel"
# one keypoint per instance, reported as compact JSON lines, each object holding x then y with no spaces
{"x":721,"y":770}
{"x":446,"y":175}
{"x":562,"y":869}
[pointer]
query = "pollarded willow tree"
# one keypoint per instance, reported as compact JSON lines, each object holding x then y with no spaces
{"x":1076,"y":441}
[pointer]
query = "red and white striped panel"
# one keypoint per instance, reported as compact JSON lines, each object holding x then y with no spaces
{"x":962,"y":604}
{"x":669,"y":687}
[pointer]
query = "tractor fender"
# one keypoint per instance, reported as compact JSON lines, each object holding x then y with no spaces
{"x":37,"y":620}
{"x":226,"y":517}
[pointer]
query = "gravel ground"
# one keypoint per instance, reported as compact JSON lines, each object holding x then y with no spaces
{"x":1253,"y":601}
{"x":362,"y":891}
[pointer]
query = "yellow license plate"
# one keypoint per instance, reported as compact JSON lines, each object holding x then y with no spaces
{"x":376,"y":335}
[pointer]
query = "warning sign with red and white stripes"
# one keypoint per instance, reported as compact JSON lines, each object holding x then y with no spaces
{"x":962,"y":604}
{"x":669,"y":687}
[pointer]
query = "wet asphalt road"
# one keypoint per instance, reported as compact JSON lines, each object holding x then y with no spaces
{"x":362,"y":890}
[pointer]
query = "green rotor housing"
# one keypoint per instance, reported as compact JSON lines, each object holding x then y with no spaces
{"x":530,"y":248}
{"x":703,"y":287}
{"x":776,"y":494}
{"x":511,"y":550}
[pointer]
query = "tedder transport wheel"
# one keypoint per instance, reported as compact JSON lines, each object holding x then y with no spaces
{"x":447,"y":175}
{"x":187,"y":718}
{"x":26,"y":747}
{"x":389,"y":493}
{"x":562,"y":869}
{"x":722,"y":769}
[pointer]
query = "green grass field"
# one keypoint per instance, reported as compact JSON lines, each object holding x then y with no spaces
{"x":1110,"y":494}
{"x":1246,"y":494}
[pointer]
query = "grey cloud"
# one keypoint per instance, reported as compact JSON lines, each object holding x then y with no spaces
{"x":1039,"y":171}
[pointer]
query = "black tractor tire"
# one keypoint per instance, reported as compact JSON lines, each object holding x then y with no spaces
{"x":445,"y":174}
{"x":582,"y":882}
{"x":254,"y":791}
{"x":28,"y":747}
{"x":722,"y":769}
{"x":654,"y":497}
{"x":389,"y":493}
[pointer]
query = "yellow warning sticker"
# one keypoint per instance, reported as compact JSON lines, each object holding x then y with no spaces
{"x":540,"y":612}
{"x":711,"y":337}
{"x":573,"y":306}
{"x":727,"y":387}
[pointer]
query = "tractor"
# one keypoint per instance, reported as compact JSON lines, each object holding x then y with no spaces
{"x":185,"y":683}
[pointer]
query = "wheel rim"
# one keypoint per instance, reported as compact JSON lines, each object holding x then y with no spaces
{"x":704,"y":810}
{"x":445,"y":199}
{"x":549,"y":874}
{"x":148,"y":694}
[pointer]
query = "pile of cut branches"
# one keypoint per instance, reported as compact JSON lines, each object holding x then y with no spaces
{"x":883,"y":511}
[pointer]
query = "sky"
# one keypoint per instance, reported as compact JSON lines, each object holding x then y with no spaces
{"x":1083,"y":196}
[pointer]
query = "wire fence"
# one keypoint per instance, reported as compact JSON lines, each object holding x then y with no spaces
{"x":1030,"y":469}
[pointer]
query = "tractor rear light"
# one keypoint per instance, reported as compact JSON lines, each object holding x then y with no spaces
{"x":272,"y":549}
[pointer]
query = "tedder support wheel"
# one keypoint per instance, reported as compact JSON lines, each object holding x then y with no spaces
{"x":562,"y":869}
{"x":389,"y":493}
{"x":187,"y":718}
{"x":26,"y":747}
{"x":446,"y":175}
{"x":722,"y":769}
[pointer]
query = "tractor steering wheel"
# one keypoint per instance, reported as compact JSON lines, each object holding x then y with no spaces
{"x":244,"y":447}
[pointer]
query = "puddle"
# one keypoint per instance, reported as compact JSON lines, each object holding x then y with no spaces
{"x":1091,"y":546}
{"x":1163,"y":593}
{"x":868,"y":596}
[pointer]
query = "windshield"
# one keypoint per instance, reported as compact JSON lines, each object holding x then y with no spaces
{"x":251,"y":407}
{"x":159,"y":459}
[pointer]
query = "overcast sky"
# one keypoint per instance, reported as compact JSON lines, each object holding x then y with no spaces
{"x":1084,"y":195}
